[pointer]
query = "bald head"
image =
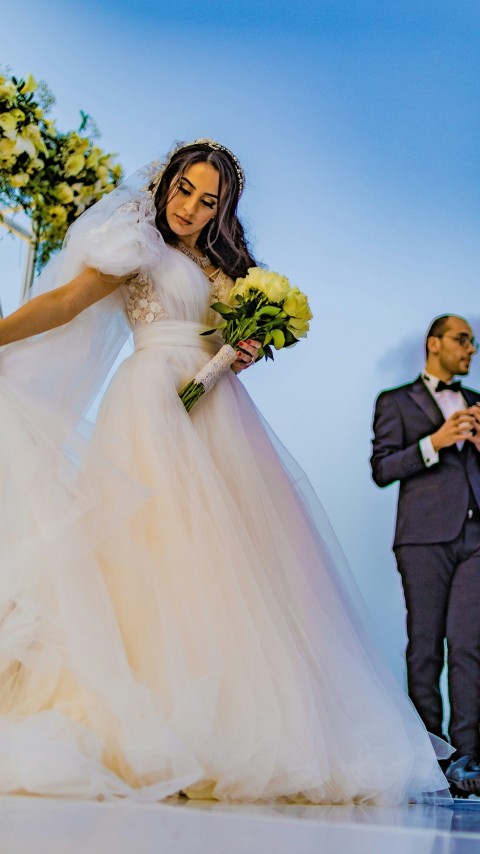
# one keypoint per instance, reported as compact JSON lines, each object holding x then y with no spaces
{"x":450,"y":346}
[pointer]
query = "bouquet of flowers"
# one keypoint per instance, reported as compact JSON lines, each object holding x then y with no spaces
{"x":262,"y":306}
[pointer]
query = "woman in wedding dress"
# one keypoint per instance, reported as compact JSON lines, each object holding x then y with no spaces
{"x":170,"y":617}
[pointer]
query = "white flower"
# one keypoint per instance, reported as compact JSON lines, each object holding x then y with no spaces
{"x":24,"y":144}
{"x":136,"y":313}
{"x":149,"y":317}
{"x":143,"y":303}
{"x":155,"y":306}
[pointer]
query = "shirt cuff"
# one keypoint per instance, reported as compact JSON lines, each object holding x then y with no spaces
{"x":430,"y":456}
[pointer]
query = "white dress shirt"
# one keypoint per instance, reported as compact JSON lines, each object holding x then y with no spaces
{"x":448,"y":402}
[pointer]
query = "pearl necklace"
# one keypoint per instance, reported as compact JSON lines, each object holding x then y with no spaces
{"x":202,"y":261}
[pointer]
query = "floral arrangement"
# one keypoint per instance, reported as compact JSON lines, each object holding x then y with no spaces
{"x":262,"y":306}
{"x":53,"y":177}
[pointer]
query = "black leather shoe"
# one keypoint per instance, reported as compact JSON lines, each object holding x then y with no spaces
{"x":464,"y":774}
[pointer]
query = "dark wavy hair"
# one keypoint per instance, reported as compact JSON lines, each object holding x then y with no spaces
{"x":223,"y":238}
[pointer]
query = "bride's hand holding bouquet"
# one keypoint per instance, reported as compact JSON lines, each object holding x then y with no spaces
{"x":263,"y":307}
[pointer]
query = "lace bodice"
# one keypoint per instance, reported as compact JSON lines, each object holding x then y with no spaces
{"x":144,"y":304}
{"x":142,"y":301}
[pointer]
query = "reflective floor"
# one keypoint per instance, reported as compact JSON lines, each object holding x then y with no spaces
{"x":178,"y":826}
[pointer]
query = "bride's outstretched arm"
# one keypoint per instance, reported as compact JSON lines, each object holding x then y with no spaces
{"x":57,"y":307}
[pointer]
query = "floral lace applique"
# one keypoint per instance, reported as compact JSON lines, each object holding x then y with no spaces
{"x":142,"y":302}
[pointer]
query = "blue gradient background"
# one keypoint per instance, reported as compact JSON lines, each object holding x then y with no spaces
{"x":358,"y":126}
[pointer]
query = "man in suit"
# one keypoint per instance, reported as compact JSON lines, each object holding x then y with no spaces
{"x":427,"y":436}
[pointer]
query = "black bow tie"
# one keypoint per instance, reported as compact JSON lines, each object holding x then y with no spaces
{"x":456,"y":386}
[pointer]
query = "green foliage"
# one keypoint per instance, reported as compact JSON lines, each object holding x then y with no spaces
{"x":51,"y":176}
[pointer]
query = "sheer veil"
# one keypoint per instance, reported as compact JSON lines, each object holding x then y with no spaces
{"x":67,"y":366}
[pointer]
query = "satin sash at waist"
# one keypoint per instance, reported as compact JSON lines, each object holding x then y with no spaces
{"x":176,"y":333}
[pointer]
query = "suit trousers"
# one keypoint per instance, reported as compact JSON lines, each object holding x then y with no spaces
{"x":441,"y":584}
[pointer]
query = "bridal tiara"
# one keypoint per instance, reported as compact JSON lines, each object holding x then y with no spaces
{"x":210,"y":143}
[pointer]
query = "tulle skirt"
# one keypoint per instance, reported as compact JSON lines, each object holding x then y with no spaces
{"x":170,"y":617}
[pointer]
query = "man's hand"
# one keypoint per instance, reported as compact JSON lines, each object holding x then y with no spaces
{"x":457,"y":428}
{"x":475,"y":437}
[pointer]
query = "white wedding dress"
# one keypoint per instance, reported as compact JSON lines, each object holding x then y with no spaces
{"x":170,"y":617}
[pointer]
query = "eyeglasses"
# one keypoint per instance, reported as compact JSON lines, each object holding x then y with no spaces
{"x":463,"y":338}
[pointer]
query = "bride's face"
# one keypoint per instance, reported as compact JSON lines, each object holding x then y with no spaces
{"x":192,"y":201}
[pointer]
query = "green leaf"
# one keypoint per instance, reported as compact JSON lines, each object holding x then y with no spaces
{"x":278,"y":338}
{"x":216,"y":329}
{"x":289,"y":338}
{"x":224,"y":310}
{"x":270,"y":310}
{"x":220,"y":306}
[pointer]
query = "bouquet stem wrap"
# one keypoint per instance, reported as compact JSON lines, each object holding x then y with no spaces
{"x":206,"y":378}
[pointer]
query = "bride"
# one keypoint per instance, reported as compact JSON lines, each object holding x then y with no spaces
{"x":170,"y":617}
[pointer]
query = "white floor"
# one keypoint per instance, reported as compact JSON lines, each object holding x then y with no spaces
{"x":47,"y":826}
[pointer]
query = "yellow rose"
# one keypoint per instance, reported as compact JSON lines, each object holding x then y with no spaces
{"x":238,"y":290}
{"x":8,"y":90}
{"x":77,"y":144}
{"x":6,"y":147}
{"x":298,"y":328}
{"x":7,"y":162}
{"x":21,"y":179}
{"x":29,"y":86}
{"x":8,"y":121}
{"x":257,"y":278}
{"x":277,"y":287}
{"x":33,"y":133}
{"x":297,"y":307}
{"x":57,"y":214}
{"x":75,"y":164}
{"x":18,"y":114}
{"x":64,"y":193}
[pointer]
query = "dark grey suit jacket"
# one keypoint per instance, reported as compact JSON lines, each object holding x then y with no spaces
{"x":433,"y":502}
